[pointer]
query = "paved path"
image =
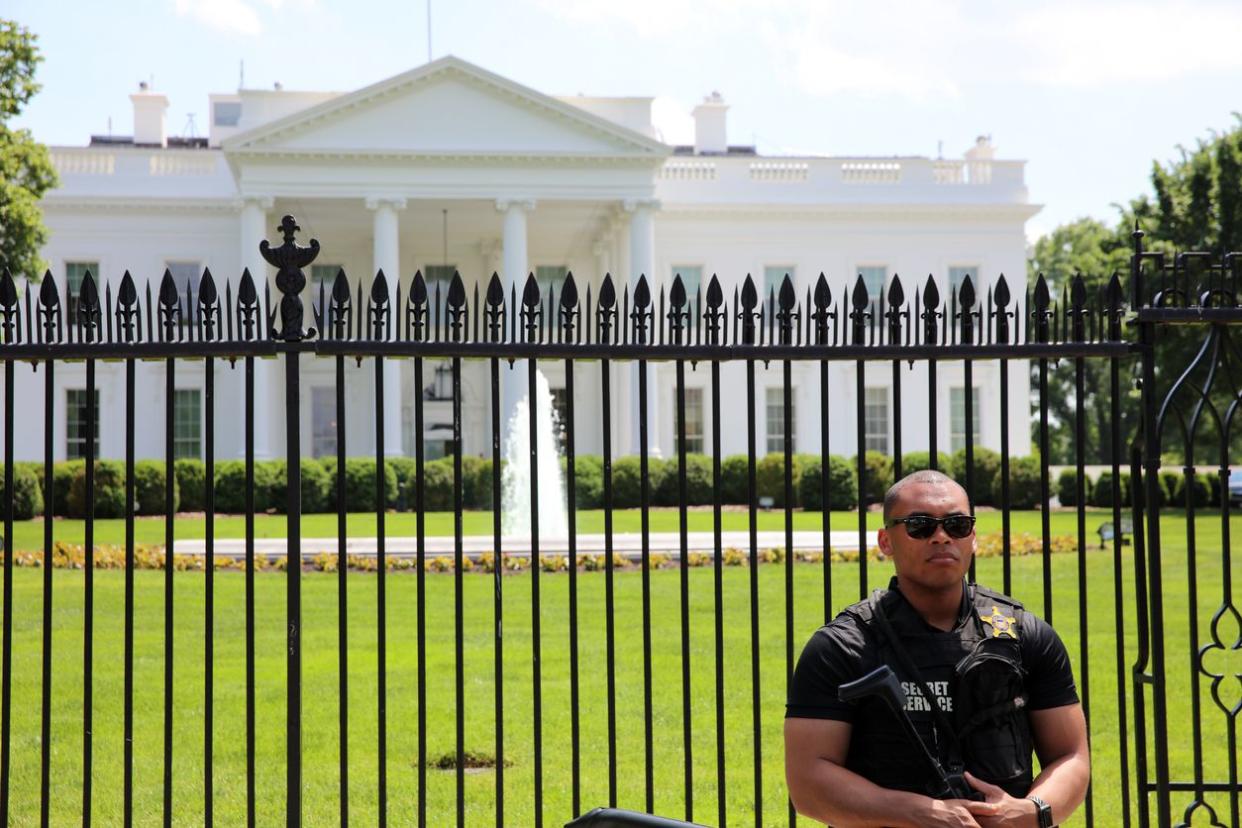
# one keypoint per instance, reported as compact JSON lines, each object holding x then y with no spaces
{"x":628,"y":544}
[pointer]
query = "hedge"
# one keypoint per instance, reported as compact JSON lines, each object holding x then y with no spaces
{"x":1024,"y":482}
{"x":1202,"y":492}
{"x":879,"y":468}
{"x":27,"y":497}
{"x":588,"y":481}
{"x":192,"y":482}
{"x":109,"y":490}
{"x":1102,"y":490}
{"x":149,"y":488}
{"x":1067,"y":487}
{"x":698,"y":481}
{"x":986,"y":473}
{"x":360,"y":484}
{"x":842,"y":484}
{"x":734,"y":475}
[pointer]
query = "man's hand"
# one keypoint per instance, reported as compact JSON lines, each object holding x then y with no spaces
{"x":999,"y":809}
{"x":948,"y":813}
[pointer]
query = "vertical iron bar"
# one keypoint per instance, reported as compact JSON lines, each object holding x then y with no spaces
{"x":571,"y":494}
{"x":1080,"y":448}
{"x":532,"y":371}
{"x":1006,"y":577}
{"x":342,"y":595}
{"x":497,"y":595}
{"x":293,"y":581}
{"x":1143,"y":630}
{"x":968,"y":371}
{"x":825,"y":485}
{"x":1119,"y":617}
{"x":169,"y":640}
{"x":459,"y":606}
{"x":7,"y":668}
{"x":933,"y":420}
{"x":860,"y":391}
{"x":128,"y":783}
{"x":897,"y":470}
{"x":49,"y":486}
{"x":1044,"y":516}
{"x":381,"y":607}
{"x":684,"y":585}
{"x":645,"y":527}
{"x":609,"y":621}
{"x":788,"y":448}
{"x":420,"y":531}
{"x":718,"y":598}
{"x":752,"y":505}
{"x":209,"y":563}
{"x":250,"y":659}
{"x":88,"y":634}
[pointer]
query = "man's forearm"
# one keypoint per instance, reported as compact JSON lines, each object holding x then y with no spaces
{"x":833,"y":794}
{"x":1063,"y":785}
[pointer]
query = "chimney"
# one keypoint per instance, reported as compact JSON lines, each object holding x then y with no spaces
{"x":149,"y":108}
{"x":709,"y":126}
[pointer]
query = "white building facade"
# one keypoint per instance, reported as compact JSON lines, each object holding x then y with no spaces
{"x":449,"y":167}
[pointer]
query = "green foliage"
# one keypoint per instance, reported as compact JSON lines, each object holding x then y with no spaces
{"x":62,"y":480}
{"x":476,"y":479}
{"x":360,"y":484}
{"x":26,"y":171}
{"x":437,"y":484}
{"x":1201,"y":493}
{"x":734,"y":474}
{"x":770,"y":477}
{"x":879,"y":469}
{"x":316,"y":486}
{"x":149,"y":488}
{"x":698,"y":481}
{"x":109,"y":490}
{"x":192,"y":482}
{"x":986,"y":474}
{"x":1170,"y":482}
{"x":1067,"y":487}
{"x":231,"y":486}
{"x":27,"y":497}
{"x":406,"y":470}
{"x":842,"y":484}
{"x":1101,"y":492}
{"x":588,"y":481}
{"x":626,"y":483}
{"x":1024,"y":482}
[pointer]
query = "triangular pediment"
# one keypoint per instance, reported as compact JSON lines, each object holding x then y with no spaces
{"x":446,"y":108}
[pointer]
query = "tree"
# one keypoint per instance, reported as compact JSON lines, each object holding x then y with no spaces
{"x":26,"y":171}
{"x":1195,"y":204}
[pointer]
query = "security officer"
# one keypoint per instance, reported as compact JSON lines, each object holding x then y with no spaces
{"x":985,"y":683}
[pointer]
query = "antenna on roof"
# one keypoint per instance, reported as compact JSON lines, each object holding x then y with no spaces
{"x":241,"y":75}
{"x":189,"y":130}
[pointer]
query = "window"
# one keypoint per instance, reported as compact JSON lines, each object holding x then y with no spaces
{"x":957,"y":275}
{"x":957,"y":417}
{"x":549,"y":277}
{"x":323,"y":422}
{"x":75,"y":423}
{"x":773,"y":277}
{"x":875,"y":420}
{"x":691,"y":280}
{"x":226,"y":113}
{"x":75,"y":272}
{"x":694,"y":421}
{"x":187,"y":422}
{"x":185,"y":274}
{"x":323,"y":274}
{"x":874,"y":277}
{"x":776,"y":419}
{"x":438,"y":277}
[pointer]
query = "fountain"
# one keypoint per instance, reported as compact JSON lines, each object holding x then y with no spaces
{"x":518,"y":475}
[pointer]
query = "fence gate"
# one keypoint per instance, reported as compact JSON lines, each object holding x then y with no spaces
{"x":1187,"y":679}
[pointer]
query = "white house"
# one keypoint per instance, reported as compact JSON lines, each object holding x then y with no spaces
{"x":449,"y":166}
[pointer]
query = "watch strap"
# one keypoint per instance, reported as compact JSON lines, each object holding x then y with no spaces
{"x":1043,"y":811}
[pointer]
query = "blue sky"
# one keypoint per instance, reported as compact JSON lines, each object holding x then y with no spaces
{"x":1088,"y":91}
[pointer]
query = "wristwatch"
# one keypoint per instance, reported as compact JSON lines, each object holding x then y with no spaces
{"x":1043,"y":810}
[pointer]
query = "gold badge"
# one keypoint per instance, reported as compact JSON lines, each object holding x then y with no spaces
{"x":1000,"y":623}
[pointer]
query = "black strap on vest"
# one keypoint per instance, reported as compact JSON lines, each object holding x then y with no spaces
{"x":942,"y":723}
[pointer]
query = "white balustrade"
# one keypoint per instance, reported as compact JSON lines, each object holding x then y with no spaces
{"x":779,"y":171}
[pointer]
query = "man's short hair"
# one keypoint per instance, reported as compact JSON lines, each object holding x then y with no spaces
{"x":924,"y":476}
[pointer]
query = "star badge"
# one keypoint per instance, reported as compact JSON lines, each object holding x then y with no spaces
{"x":1001,"y":624}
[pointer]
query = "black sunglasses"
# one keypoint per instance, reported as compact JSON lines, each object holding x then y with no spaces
{"x":921,"y":527}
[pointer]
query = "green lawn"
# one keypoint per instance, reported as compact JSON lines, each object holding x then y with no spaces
{"x":320,"y":683}
{"x":28,"y":535}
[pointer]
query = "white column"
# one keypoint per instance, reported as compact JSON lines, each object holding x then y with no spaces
{"x":515,"y":268}
{"x":269,"y":387}
{"x":386,"y":253}
{"x":642,"y":263}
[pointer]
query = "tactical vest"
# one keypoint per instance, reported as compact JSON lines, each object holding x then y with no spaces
{"x":986,"y":684}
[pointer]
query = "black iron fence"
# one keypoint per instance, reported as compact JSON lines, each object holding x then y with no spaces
{"x":1156,"y":625}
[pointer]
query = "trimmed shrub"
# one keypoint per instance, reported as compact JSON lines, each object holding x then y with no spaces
{"x":842,"y":484}
{"x":109,"y":490}
{"x":437,"y":485}
{"x":626,"y":483}
{"x":476,"y":480}
{"x":913,"y":461}
{"x":149,"y":491}
{"x":986,"y":473}
{"x":231,"y":486}
{"x":1201,"y":494}
{"x":360,"y":484}
{"x":879,"y":468}
{"x":588,"y":481}
{"x":698,"y":481}
{"x":62,"y":480}
{"x":1024,"y":482}
{"x":770,"y":477}
{"x":1067,"y":487}
{"x":1170,"y":481}
{"x":192,"y":483}
{"x":27,"y":497}
{"x":406,"y":470}
{"x":662,"y":481}
{"x":1102,"y":490}
{"x":316,"y":487}
{"x":733,"y":479}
